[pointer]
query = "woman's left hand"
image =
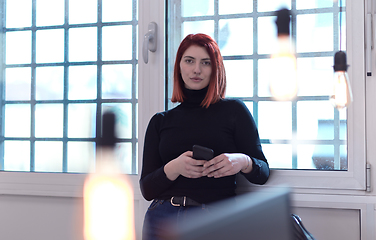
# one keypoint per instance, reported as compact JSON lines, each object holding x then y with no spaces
{"x":227,"y":164}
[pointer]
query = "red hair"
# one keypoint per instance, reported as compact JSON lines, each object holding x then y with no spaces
{"x":217,"y":83}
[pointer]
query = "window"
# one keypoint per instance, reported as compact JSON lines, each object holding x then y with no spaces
{"x":306,"y":133}
{"x":60,"y":70}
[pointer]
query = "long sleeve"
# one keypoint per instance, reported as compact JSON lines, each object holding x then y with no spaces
{"x":248,"y":142}
{"x":153,"y":179}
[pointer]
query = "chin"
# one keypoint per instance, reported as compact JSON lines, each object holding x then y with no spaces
{"x":196,"y":86}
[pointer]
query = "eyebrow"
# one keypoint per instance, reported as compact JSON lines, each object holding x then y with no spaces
{"x":204,"y":59}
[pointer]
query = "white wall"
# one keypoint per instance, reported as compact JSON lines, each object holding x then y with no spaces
{"x":48,"y":218}
{"x":347,"y":217}
{"x":38,"y":218}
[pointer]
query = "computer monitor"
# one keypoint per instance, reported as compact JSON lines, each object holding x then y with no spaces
{"x":261,"y":215}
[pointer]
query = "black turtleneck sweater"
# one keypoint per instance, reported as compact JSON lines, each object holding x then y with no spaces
{"x":226,"y":127}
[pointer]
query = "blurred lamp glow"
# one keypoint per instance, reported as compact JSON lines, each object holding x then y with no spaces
{"x":283,"y":83}
{"x":108,"y":195}
{"x":108,"y":207}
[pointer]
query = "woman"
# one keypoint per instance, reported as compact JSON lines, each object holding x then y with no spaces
{"x":170,"y":176}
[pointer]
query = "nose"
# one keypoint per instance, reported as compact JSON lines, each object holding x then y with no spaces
{"x":197,"y":68}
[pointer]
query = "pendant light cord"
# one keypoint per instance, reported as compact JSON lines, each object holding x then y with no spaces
{"x":340,"y":25}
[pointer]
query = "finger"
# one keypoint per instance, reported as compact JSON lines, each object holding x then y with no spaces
{"x":188,"y":154}
{"x":223,"y":169}
{"x":195,"y":172}
{"x":223,"y":173}
{"x":215,"y":167}
{"x":198,"y":162}
{"x":213,"y":161}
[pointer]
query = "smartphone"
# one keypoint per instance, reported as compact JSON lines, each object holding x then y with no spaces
{"x":202,"y":153}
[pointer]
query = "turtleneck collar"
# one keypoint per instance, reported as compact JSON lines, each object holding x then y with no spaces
{"x":194,"y":97}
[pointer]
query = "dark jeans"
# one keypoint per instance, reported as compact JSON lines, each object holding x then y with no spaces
{"x":161,"y":216}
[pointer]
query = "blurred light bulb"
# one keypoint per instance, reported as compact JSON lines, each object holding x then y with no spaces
{"x":108,"y":204}
{"x":283,"y":83}
{"x":342,"y":95}
{"x":108,"y":195}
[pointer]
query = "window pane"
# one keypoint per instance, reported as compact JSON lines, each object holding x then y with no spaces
{"x":275,"y":120}
{"x":81,"y":120}
{"x":17,"y":83}
{"x":82,"y":82}
{"x":249,"y":106}
{"x":206,"y":27}
{"x":116,"y":10}
{"x":343,"y":158}
{"x":117,"y":43}
{"x":304,"y":4}
{"x":18,"y":47}
{"x":50,"y":46}
{"x":323,"y":157}
{"x":48,"y":156}
{"x":123,"y":153}
{"x":263,"y":77}
{"x":305,"y":153}
{"x":278,"y":155}
{"x":18,"y":13}
{"x":49,"y":83}
{"x":267,"y":38}
{"x":16,"y":155}
{"x":49,"y":120}
{"x":238,"y":41}
{"x":82,"y":44}
{"x":117,"y":81}
{"x":315,"y":75}
{"x":343,"y":124}
{"x":273,"y":5}
{"x":123,"y":113}
{"x":315,"y":120}
{"x":50,"y":12}
{"x":311,"y":29}
{"x":241,"y":74}
{"x":235,"y":6}
{"x":197,"y":7}
{"x":17,"y":120}
{"x":82,"y":11}
{"x":81,"y":156}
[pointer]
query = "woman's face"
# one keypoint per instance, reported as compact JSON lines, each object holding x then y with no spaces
{"x":195,"y":68}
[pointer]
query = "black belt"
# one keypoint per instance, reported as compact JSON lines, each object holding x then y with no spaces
{"x":184,"y":201}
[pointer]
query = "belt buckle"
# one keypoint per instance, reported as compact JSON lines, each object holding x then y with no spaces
{"x":177,"y":204}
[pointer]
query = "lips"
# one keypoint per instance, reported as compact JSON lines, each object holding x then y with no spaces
{"x":196,"y":79}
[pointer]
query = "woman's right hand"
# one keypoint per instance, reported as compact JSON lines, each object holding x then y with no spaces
{"x":184,"y":165}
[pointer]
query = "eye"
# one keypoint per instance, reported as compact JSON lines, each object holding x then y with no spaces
{"x":187,"y":60}
{"x":206,"y":63}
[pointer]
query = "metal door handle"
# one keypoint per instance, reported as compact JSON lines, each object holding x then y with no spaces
{"x":150,"y":41}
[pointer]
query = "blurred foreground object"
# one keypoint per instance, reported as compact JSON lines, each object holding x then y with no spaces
{"x":263,"y":214}
{"x":108,"y":195}
{"x":283,"y":83}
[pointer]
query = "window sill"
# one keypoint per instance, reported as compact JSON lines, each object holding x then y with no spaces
{"x":47,"y":184}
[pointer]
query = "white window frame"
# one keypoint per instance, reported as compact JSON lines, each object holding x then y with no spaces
{"x":355,"y":177}
{"x":150,"y":100}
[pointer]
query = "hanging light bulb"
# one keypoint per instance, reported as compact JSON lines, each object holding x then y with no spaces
{"x":108,"y":195}
{"x":283,"y":83}
{"x":342,"y":95}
